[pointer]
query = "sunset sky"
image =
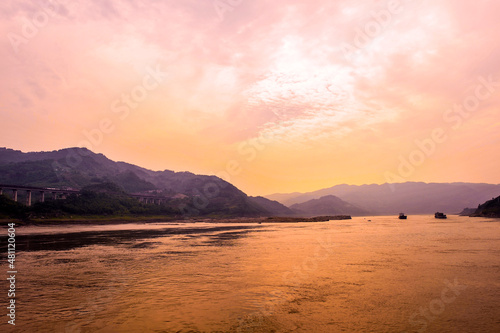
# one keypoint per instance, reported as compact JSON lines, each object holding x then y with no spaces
{"x":273,"y":96}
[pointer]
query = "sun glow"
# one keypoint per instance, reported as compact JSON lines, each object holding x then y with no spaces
{"x":265,"y":71}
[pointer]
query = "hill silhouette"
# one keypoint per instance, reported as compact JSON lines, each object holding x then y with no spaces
{"x":78,"y":168}
{"x":410,"y":197}
{"x":327,"y":205}
{"x":490,"y":208}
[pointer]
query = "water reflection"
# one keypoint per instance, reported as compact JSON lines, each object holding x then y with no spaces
{"x":322,"y":277}
{"x":28,"y":240}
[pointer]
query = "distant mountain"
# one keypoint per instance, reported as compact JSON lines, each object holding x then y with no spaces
{"x":327,"y":205}
{"x":410,"y":197}
{"x":289,"y":199}
{"x":467,"y":211}
{"x":79,"y":167}
{"x":272,"y":207}
{"x":490,"y":208}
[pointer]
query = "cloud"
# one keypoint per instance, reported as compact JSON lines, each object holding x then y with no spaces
{"x":263,"y":69}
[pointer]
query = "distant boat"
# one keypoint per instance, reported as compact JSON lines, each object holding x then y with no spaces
{"x":402,"y":216}
{"x":439,"y":215}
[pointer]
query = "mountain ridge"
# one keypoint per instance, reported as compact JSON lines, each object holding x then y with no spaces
{"x":409,"y":197}
{"x":80,"y":167}
{"x":327,"y":205}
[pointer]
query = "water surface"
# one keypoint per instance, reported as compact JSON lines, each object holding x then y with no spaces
{"x":383,"y":275}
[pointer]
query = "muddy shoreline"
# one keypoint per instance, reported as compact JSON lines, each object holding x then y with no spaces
{"x":159,"y":219}
{"x":70,"y":240}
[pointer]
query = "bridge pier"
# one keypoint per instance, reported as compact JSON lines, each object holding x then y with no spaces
{"x":150,"y":199}
{"x":61,"y":193}
{"x":28,"y":198}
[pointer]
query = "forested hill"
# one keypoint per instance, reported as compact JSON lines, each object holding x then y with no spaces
{"x":79,"y":167}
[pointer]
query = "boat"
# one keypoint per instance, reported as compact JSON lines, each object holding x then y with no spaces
{"x":439,"y":215}
{"x":402,"y":216}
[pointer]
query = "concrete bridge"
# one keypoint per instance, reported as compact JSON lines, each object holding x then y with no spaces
{"x":63,"y":194}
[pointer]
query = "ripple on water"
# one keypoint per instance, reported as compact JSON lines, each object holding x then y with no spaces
{"x":303,"y":277}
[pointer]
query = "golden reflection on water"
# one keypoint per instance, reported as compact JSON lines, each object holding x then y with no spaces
{"x":338,"y":276}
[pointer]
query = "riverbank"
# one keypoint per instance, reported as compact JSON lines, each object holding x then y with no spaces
{"x":104,"y":220}
{"x":89,"y":220}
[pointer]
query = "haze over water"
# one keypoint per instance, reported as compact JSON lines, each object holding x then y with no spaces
{"x":383,"y":275}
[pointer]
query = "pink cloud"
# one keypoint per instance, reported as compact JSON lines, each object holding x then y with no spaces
{"x":258,"y":69}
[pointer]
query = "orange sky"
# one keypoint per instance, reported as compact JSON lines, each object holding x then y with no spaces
{"x":281,"y":97}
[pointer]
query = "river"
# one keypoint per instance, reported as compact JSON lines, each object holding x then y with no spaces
{"x":376,"y":274}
